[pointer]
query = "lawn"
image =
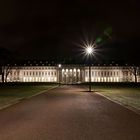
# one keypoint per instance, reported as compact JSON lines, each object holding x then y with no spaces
{"x":127,"y":95}
{"x":9,"y":94}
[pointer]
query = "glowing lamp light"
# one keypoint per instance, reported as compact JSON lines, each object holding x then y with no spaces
{"x":89,"y":50}
{"x":59,"y":65}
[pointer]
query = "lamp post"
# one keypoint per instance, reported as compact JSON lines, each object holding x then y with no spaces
{"x":89,"y":51}
{"x":59,"y":67}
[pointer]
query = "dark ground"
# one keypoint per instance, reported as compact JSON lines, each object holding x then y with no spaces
{"x":68,"y":113}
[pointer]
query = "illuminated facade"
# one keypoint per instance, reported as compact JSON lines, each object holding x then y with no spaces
{"x":70,"y":74}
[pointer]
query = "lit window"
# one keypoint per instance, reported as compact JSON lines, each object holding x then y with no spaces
{"x":86,"y":73}
{"x":92,"y":73}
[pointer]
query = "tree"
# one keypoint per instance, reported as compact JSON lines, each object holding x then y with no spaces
{"x":135,"y":71}
{"x":6,"y":59}
{"x":6,"y":69}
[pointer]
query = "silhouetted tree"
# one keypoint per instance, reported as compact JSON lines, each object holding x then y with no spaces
{"x":135,"y":70}
{"x":6,"y":59}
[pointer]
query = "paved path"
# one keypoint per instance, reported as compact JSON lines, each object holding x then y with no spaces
{"x":68,"y":113}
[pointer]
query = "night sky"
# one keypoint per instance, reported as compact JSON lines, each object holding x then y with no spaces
{"x":36,"y":29}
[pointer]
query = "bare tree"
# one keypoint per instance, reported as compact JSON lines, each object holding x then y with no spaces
{"x":6,"y":60}
{"x":5,"y":72}
{"x":135,"y":71}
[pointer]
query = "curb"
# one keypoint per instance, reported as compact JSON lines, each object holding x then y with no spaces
{"x":135,"y":110}
{"x":38,"y":93}
{"x":25,"y":98}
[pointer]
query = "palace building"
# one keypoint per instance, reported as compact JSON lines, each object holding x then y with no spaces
{"x":72,"y":74}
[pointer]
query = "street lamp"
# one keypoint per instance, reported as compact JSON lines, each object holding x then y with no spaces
{"x":59,"y":67}
{"x":89,"y":52}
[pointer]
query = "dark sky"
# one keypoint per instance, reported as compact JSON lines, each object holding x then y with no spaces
{"x":40,"y":29}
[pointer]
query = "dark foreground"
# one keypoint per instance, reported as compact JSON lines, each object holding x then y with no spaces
{"x":68,"y":113}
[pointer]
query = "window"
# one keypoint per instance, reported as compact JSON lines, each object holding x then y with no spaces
{"x":108,"y":73}
{"x":92,"y":73}
{"x":18,"y":73}
{"x":114,"y":73}
{"x":101,"y":73}
{"x":86,"y":73}
{"x":105,"y":73}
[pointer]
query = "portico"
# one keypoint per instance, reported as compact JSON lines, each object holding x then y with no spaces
{"x":72,"y":75}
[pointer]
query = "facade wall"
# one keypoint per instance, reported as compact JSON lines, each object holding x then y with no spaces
{"x":104,"y":74}
{"x":33,"y":74}
{"x":70,"y":74}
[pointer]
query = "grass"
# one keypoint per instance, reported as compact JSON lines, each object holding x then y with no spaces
{"x":129,"y":95}
{"x":10,"y":93}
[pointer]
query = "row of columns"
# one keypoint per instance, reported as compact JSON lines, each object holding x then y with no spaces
{"x":70,"y":76}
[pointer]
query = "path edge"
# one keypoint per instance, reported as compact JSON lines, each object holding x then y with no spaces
{"x":25,"y":98}
{"x":131,"y":108}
